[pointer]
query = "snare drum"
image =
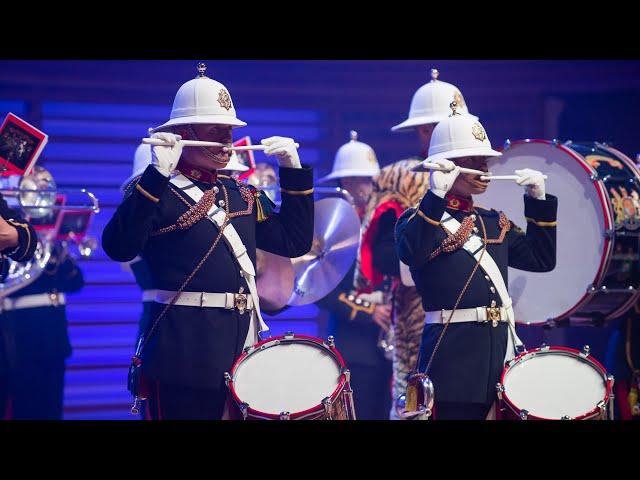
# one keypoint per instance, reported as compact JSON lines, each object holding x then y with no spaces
{"x":291,"y":377}
{"x":555,"y":383}
{"x":597,"y":274}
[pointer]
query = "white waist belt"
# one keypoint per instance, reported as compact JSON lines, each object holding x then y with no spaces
{"x":239,"y":301}
{"x":478,"y":314}
{"x":33,"y":301}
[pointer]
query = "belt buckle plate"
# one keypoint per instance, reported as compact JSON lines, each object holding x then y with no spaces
{"x":240,"y":302}
{"x":493,"y":315}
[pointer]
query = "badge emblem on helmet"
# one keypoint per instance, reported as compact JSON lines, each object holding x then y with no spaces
{"x":224,"y":99}
{"x":478,"y":132}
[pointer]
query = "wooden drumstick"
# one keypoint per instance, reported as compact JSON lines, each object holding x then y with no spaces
{"x":201,"y":143}
{"x":440,"y":168}
{"x":504,"y":177}
{"x":253,"y":147}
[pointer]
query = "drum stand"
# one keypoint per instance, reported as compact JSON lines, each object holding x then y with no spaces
{"x":348,"y":396}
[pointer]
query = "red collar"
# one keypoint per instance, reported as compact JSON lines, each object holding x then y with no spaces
{"x":196,"y":173}
{"x":455,"y":202}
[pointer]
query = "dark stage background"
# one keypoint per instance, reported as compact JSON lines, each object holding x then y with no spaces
{"x":95,"y":113}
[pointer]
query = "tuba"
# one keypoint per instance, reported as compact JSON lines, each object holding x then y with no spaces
{"x":37,"y":196}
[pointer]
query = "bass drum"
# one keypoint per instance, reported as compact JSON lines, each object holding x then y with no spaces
{"x":597,"y":276}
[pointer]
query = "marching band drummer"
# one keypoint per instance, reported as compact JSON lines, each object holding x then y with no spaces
{"x":442,"y":242}
{"x":355,"y":321}
{"x":399,"y":187}
{"x":205,"y":307}
{"x":18,"y":241}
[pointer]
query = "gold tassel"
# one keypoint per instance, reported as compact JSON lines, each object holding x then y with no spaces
{"x":260,"y":211}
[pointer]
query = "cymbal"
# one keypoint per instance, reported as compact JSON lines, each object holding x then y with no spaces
{"x":336,"y":237}
{"x":274,"y":280}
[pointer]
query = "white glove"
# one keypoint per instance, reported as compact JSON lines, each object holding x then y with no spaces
{"x":441,"y":182}
{"x":285,"y":149}
{"x":534,"y":181}
{"x":166,"y":158}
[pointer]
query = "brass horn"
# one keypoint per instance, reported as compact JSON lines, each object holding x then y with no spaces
{"x":36,"y":192}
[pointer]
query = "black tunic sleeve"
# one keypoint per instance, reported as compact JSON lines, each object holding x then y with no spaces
{"x":289,"y":233}
{"x":127,"y":232}
{"x":535,"y":250}
{"x":27,"y":237}
{"x":417,"y":228}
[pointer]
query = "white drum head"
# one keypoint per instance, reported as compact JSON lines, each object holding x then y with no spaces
{"x":552,"y":385}
{"x":538,"y":297}
{"x":290,"y":377}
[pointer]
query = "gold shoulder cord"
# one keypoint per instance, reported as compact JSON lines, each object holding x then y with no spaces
{"x":430,"y":221}
{"x":505,"y":226}
{"x":147,"y":194}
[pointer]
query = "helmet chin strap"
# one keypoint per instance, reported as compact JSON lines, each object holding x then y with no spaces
{"x":212,"y":156}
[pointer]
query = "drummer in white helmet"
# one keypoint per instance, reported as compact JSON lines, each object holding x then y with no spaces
{"x":356,"y":321}
{"x":442,"y":240}
{"x":429,"y":106}
{"x":198,"y":232}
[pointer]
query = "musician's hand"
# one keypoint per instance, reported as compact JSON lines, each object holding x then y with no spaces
{"x":166,"y":158}
{"x":441,"y":182}
{"x":533,"y":180}
{"x":8,"y":235}
{"x":382,"y":316}
{"x":285,"y":149}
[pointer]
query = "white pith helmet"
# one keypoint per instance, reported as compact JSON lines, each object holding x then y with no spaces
{"x":202,"y":101}
{"x":430,"y":104}
{"x":354,"y":159}
{"x":458,"y":136}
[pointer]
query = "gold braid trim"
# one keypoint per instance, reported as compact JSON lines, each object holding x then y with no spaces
{"x":147,"y":194}
{"x":193,"y":215}
{"x":369,"y":308}
{"x":542,"y":224}
{"x":505,"y":226}
{"x":297,"y":192}
{"x":26,"y":227}
{"x":455,"y":241}
{"x":431,"y":221}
